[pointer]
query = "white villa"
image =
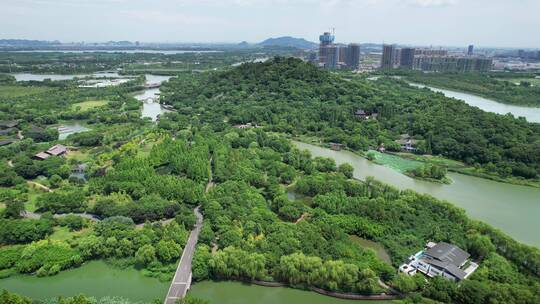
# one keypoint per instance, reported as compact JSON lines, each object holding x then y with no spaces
{"x":440,"y":259}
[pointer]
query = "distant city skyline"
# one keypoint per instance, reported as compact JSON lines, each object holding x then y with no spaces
{"x":484,"y":23}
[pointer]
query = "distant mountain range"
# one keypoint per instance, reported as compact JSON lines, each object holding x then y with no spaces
{"x":288,"y":41}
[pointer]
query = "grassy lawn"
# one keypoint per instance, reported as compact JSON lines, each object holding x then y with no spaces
{"x":395,"y":162}
{"x":78,"y":155}
{"x":33,"y":194}
{"x":17,"y":91}
{"x":144,"y":151}
{"x":2,"y":206}
{"x":295,"y":196}
{"x":378,"y":248}
{"x":90,"y":104}
{"x":432,"y":159}
{"x":63,"y":233}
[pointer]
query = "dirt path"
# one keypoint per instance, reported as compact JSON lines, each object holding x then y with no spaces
{"x":302,"y":217}
{"x":39,"y":186}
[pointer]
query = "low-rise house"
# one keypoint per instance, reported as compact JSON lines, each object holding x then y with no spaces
{"x":6,"y":124}
{"x":365,"y":114}
{"x":361,"y":114}
{"x":245,"y":126}
{"x":8,"y":131}
{"x":336,"y":146}
{"x":56,"y":150}
{"x":440,"y":259}
{"x":407,"y":143}
{"x":79,"y":171}
{"x":6,"y":142}
{"x":42,"y":156}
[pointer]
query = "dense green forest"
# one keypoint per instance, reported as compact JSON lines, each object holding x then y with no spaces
{"x":253,"y":231}
{"x":134,"y":208}
{"x":290,"y":96}
{"x":510,"y":88}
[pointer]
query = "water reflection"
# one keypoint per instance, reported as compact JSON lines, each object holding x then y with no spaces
{"x":512,"y":208}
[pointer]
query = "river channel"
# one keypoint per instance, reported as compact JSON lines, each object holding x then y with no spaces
{"x":150,"y":97}
{"x":99,"y":280}
{"x":530,"y":113}
{"x":513,"y":209}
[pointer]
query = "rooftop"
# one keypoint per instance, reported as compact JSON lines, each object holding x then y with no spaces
{"x":42,"y":155}
{"x":57,"y":150}
{"x":8,"y":123}
{"x":449,"y":253}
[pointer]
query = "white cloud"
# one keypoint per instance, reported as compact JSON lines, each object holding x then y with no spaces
{"x":432,"y":3}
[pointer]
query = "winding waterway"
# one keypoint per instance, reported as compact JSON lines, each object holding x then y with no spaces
{"x":513,"y":209}
{"x":530,"y":113}
{"x":152,"y":108}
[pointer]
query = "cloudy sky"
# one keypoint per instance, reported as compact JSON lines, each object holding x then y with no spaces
{"x":505,"y":23}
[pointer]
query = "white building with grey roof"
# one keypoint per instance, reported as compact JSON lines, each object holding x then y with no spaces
{"x":440,"y":259}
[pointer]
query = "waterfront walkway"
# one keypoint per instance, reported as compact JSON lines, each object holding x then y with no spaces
{"x":182,"y":278}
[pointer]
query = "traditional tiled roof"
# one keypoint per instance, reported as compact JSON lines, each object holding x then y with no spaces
{"x":8,"y":123}
{"x":42,"y":155}
{"x":57,"y":150}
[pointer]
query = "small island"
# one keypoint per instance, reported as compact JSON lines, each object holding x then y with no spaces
{"x":430,"y":172}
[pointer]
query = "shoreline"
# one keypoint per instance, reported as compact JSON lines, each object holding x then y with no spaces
{"x":477,"y":94}
{"x":334,"y":294}
{"x":534,"y":184}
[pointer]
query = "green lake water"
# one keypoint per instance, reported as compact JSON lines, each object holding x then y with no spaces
{"x":99,"y":280}
{"x":513,"y":209}
{"x":241,"y":293}
{"x":94,"y":279}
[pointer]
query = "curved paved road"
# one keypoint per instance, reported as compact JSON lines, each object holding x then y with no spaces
{"x":182,"y":278}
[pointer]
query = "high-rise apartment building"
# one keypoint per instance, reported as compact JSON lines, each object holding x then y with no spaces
{"x":431,"y":52}
{"x":326,"y":40}
{"x":388,"y":58}
{"x":332,"y":57}
{"x":452,"y":64}
{"x":343,"y":52}
{"x":352,"y":58}
{"x":433,"y":60}
{"x":397,"y":57}
{"x":470,"y":51}
{"x":407,"y":58}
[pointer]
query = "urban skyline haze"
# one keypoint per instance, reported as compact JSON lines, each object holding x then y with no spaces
{"x":488,"y":23}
